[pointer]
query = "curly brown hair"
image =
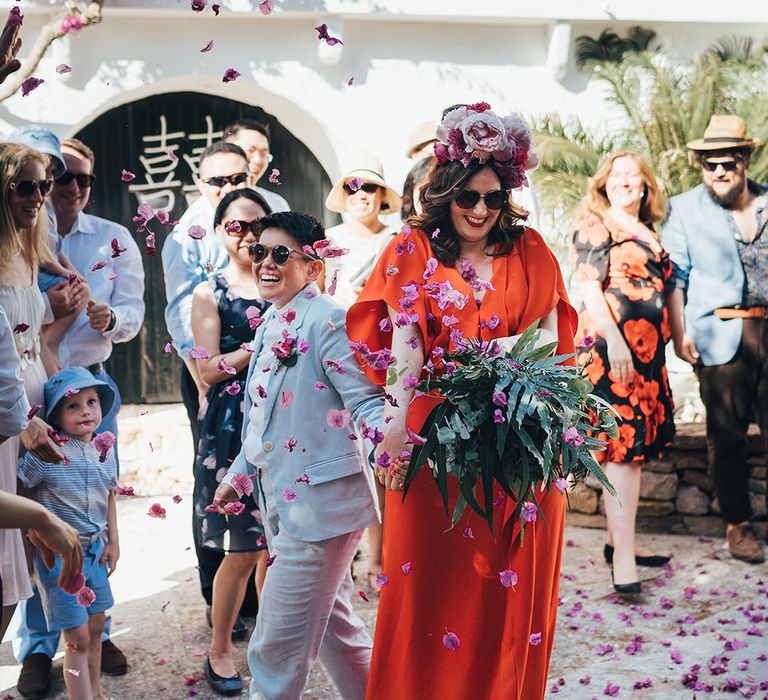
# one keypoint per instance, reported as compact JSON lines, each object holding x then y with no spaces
{"x":444,"y":182}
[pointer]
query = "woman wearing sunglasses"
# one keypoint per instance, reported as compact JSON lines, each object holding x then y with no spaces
{"x":624,"y":277}
{"x":469,"y":268}
{"x":222,"y":311}
{"x":24,"y":247}
{"x":362,"y":196}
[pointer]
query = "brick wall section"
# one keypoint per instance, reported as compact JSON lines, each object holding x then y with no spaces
{"x":676,"y":493}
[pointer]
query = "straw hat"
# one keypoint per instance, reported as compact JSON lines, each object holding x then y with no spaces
{"x":367,"y":168}
{"x":420,"y":136}
{"x":724,"y":131}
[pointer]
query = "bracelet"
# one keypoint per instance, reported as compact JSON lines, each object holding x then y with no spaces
{"x":112,"y":320}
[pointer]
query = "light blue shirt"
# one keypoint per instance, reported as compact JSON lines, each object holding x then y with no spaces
{"x":706,"y":265}
{"x":120,"y":283}
{"x":76,"y":491}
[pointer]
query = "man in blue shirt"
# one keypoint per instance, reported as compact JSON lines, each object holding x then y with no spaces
{"x":717,"y":238}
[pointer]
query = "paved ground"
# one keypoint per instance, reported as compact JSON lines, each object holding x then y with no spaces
{"x":706,"y":610}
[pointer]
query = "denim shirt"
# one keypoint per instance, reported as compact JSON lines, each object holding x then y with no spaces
{"x":707,"y":266}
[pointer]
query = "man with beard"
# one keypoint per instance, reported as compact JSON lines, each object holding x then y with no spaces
{"x":717,"y":238}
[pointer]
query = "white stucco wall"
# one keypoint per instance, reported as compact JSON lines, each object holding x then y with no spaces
{"x":406,"y":65}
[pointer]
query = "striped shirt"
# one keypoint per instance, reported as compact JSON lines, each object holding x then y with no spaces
{"x":78,"y":491}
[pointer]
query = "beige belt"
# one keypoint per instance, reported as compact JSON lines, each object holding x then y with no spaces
{"x":752,"y":312}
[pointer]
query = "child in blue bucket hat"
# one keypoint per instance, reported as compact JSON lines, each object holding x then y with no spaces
{"x":79,"y":491}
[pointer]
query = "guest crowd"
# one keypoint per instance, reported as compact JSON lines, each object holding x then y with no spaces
{"x":284,"y":334}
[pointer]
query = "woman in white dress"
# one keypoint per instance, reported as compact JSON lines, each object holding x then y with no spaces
{"x":362,"y":196}
{"x":23,"y":248}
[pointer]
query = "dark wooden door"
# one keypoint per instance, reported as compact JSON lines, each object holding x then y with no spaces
{"x":138,"y":137}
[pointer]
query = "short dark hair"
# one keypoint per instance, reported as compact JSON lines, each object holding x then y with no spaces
{"x":306,"y":230}
{"x":443,"y":183}
{"x":222,"y":147}
{"x":417,"y":176}
{"x":232,"y":130}
{"x":230,"y":197}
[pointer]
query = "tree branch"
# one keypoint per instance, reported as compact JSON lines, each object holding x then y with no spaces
{"x":88,"y":15}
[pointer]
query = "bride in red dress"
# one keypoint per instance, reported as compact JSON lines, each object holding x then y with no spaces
{"x":449,"y":626}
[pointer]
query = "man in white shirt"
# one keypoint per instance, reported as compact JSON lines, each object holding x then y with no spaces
{"x":105,"y":254}
{"x":253,"y":137}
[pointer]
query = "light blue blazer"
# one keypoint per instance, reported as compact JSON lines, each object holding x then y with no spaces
{"x":340,"y":496}
{"x":706,"y":264}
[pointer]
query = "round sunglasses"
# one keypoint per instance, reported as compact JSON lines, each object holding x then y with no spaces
{"x":26,"y":188}
{"x":468,"y":199}
{"x":237,"y":228}
{"x":280,"y":253}
{"x":368,"y":187}
{"x":84,"y":180}
{"x":221,"y":180}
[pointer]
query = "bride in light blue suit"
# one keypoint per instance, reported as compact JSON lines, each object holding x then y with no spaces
{"x":309,"y":406}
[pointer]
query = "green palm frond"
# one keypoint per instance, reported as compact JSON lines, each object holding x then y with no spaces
{"x":733,"y":48}
{"x":609,"y":46}
{"x":639,"y":38}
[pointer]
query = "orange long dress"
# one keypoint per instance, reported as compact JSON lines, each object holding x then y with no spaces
{"x":448,"y":580}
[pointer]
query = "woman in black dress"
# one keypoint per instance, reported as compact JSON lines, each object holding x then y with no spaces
{"x":624,"y":278}
{"x":225,"y":309}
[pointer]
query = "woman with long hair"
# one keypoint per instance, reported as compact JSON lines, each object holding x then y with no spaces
{"x":225,"y":311}
{"x":24,"y":247}
{"x":624,"y":277}
{"x":469,"y":268}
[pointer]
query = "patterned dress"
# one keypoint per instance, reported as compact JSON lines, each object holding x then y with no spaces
{"x":220,"y":436}
{"x":635,"y":276}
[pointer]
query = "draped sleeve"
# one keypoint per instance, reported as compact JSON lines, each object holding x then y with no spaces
{"x":395,"y":283}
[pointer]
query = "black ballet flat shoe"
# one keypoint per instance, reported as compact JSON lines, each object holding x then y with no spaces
{"x":626,"y":589}
{"x":654,"y":560}
{"x":221,"y":685}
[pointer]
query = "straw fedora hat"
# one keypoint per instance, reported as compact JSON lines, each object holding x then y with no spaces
{"x":420,"y":136}
{"x":367,"y":168}
{"x":724,"y":131}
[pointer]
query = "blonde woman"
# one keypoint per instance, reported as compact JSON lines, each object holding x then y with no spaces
{"x":624,"y":276}
{"x":24,"y":247}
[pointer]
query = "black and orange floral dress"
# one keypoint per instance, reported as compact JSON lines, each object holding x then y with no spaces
{"x":635,"y":277}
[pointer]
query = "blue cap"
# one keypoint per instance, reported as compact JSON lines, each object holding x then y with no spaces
{"x":42,"y":140}
{"x":76,"y":378}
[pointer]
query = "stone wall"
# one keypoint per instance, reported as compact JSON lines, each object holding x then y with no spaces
{"x":676,"y":493}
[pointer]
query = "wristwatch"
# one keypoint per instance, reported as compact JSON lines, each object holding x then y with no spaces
{"x":112,"y":320}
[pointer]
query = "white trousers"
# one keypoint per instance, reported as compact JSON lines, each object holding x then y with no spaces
{"x":305,"y":611}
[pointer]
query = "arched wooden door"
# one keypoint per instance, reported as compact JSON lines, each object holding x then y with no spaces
{"x":159,"y":138}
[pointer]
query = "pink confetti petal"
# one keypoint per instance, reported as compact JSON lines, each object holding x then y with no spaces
{"x":338,"y":418}
{"x":168,"y":347}
{"x":177,"y":499}
{"x":266,"y":7}
{"x":63,"y":68}
{"x":406,"y":568}
{"x":242,"y":484}
{"x":30,"y":84}
{"x":216,"y":9}
{"x":274,"y":176}
{"x":535,"y":639}
{"x":85,"y":597}
{"x":323,"y":35}
{"x":451,"y":641}
{"x":206,"y":49}
{"x":199,"y":353}
{"x":363,"y":596}
{"x":196,"y":232}
{"x":288,"y":495}
{"x":286,"y":399}
{"x":74,"y":583}
{"x":508,"y":578}
{"x":229,"y":75}
{"x":198,"y":5}
{"x":351,"y":80}
{"x":156,"y":511}
{"x":127,"y":175}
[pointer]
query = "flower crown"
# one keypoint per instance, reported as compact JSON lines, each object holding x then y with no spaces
{"x":475,"y":131}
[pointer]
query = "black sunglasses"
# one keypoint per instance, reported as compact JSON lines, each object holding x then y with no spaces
{"x":280,"y":253}
{"x":238,"y":228}
{"x":368,"y":187}
{"x":84,"y":180}
{"x":221,"y":180}
{"x":467,"y":199}
{"x":728,"y":165}
{"x":26,"y":188}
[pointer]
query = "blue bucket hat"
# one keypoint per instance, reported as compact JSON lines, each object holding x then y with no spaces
{"x":42,"y":140}
{"x":76,"y":378}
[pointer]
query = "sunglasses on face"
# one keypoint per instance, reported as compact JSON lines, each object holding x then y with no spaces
{"x":280,"y":253}
{"x":728,"y":165}
{"x":467,"y":199}
{"x":84,"y":180}
{"x":236,"y":228}
{"x":368,"y":187}
{"x":221,"y":180}
{"x":26,"y":188}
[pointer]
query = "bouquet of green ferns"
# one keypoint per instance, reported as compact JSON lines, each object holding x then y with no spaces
{"x":520,"y":418}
